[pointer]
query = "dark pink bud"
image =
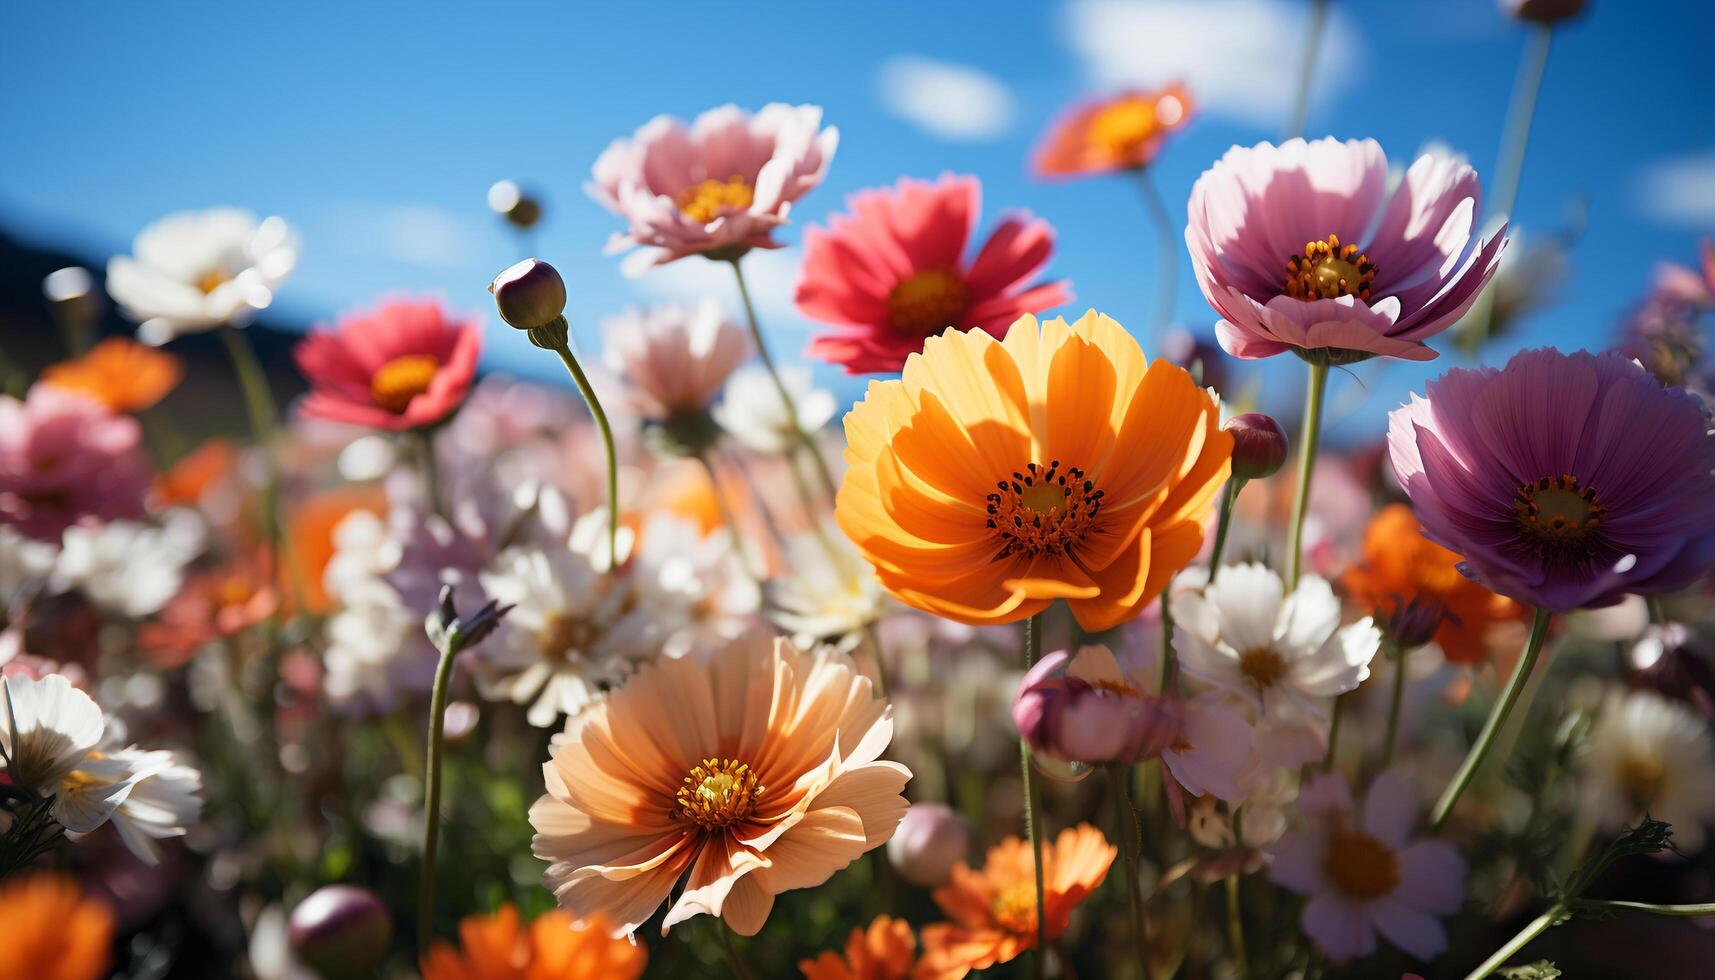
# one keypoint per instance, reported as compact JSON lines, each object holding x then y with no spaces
{"x":340,"y":931}
{"x":1259,"y":446}
{"x":529,"y":294}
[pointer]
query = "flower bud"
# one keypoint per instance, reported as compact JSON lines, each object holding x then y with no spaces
{"x":930,"y":840}
{"x":529,"y":294}
{"x":1543,"y":11}
{"x":1412,"y":624}
{"x":1070,"y":719}
{"x":340,"y":931}
{"x":1259,"y":446}
{"x":511,"y":202}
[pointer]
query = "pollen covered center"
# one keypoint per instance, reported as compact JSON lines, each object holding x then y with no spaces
{"x":1043,"y":510}
{"x":1557,"y":510}
{"x":1014,"y":908}
{"x":1262,"y":666}
{"x":707,"y":200}
{"x":719,"y":793}
{"x":212,"y":280}
{"x":562,"y":635}
{"x":398,"y":381}
{"x":926,"y":302}
{"x":1361,"y":866}
{"x":1641,"y":775}
{"x":1326,"y":270}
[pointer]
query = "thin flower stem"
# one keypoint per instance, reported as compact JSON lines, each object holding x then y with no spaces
{"x":606,"y":430}
{"x":432,"y":790}
{"x":1033,"y":810}
{"x":1125,"y":818}
{"x":1335,"y":715}
{"x":429,"y":469}
{"x":1395,"y":703}
{"x":872,"y":640}
{"x":1169,"y":662}
{"x":1706,"y":908}
{"x":1236,"y":929}
{"x":1497,"y":718}
{"x":259,"y":403}
{"x":1229,"y":498}
{"x":728,"y":517}
{"x":739,"y":970}
{"x":1307,"y":441}
{"x":1652,"y":603}
{"x":1307,"y":67}
{"x":804,"y":439}
{"x":1167,"y":247}
{"x":1537,"y":927}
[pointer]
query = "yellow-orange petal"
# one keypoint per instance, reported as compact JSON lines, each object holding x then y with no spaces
{"x":119,"y":372}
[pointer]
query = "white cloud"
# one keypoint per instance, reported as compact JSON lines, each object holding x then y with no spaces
{"x":1679,"y":191}
{"x":953,"y":102}
{"x":771,"y":275}
{"x":1239,"y":58}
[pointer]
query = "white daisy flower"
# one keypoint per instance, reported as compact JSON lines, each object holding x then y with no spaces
{"x":830,"y":592}
{"x":1285,"y":654}
{"x":47,"y":730}
{"x":1646,"y":754}
{"x":165,"y":800}
{"x":376,"y":648}
{"x":127,"y":567}
{"x":751,"y":410}
{"x":687,"y":567}
{"x":196,"y":270}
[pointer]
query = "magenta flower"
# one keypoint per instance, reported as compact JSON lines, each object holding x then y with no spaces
{"x":65,"y":457}
{"x":720,"y":186}
{"x":1083,"y":708}
{"x":1301,"y":247}
{"x":1565,"y":480}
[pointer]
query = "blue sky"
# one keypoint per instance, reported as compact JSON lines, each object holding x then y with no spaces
{"x":377,"y":128}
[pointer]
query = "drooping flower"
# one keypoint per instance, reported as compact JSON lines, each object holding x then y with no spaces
{"x":501,"y":947}
{"x":1365,"y":873}
{"x":749,"y":774}
{"x":1648,"y":755}
{"x":1301,"y":247}
{"x":750,"y":409}
{"x":673,"y":360}
{"x":886,"y":950}
{"x":1400,"y":565}
{"x":1564,"y":480}
{"x":120,"y":373}
{"x":1121,"y":132}
{"x":404,"y":365}
{"x":720,"y":186}
{"x":996,"y":477}
{"x":65,"y":457}
{"x":993,"y":910}
{"x":195,"y":270}
{"x":52,"y":931}
{"x":1285,"y":654}
{"x":893,"y":273}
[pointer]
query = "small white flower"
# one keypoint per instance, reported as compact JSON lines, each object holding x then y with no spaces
{"x":48,"y":728}
{"x":829,"y":593}
{"x":1646,"y":754}
{"x":196,"y":270}
{"x":376,"y":648}
{"x":677,"y":565}
{"x":165,"y":800}
{"x":752,"y":412}
{"x":673,"y":360}
{"x":1287,"y":655}
{"x":127,"y":567}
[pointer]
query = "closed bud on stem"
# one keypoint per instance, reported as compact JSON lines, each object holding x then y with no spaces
{"x":930,"y":840}
{"x":1414,"y":623}
{"x":529,"y":294}
{"x":520,"y":209}
{"x":340,"y":931}
{"x":1259,"y":446}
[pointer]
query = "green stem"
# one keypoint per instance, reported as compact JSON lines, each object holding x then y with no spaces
{"x":1307,"y":441}
{"x":1033,"y":810}
{"x":259,"y":403}
{"x":1236,"y":929}
{"x":1229,"y":498}
{"x":872,"y":640}
{"x":1497,"y":718}
{"x":804,"y":440}
{"x":1169,"y":663}
{"x":429,"y":469}
{"x":1307,"y":67}
{"x":1338,"y":712}
{"x":739,"y":970}
{"x":1706,"y":908}
{"x":1398,"y":699}
{"x":728,"y":517}
{"x":1168,"y":245}
{"x":432,"y":791}
{"x":1653,"y":604}
{"x":1537,"y":927}
{"x":606,"y":430}
{"x":1125,"y":819}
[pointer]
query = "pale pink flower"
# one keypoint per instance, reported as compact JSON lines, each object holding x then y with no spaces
{"x":65,"y":457}
{"x":673,"y":360}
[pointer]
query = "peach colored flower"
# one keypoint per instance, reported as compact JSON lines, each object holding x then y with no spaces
{"x":1123,"y":132}
{"x":747,"y":775}
{"x":52,"y":932}
{"x":673,"y":360}
{"x":885,"y":951}
{"x":120,"y":373}
{"x":501,"y":947}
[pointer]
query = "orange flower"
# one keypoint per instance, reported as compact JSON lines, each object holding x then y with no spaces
{"x":994,"y":910}
{"x":120,"y":373}
{"x":497,"y":947}
{"x":51,"y":931}
{"x":997,"y":476}
{"x":311,"y":529}
{"x":1400,"y":564}
{"x":1120,"y":133}
{"x":885,"y":951}
{"x":185,"y":482}
{"x":749,"y":774}
{"x":214,"y":603}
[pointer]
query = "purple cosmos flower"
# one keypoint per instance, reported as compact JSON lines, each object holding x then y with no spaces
{"x":1303,"y":247}
{"x":1565,"y":480}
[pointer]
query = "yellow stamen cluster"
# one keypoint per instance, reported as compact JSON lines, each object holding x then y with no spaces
{"x":1043,"y":510}
{"x":395,"y":383}
{"x":563,"y":637}
{"x":927,"y":302}
{"x":1326,"y":269}
{"x":1262,"y":666}
{"x":719,"y":793}
{"x":212,"y":280}
{"x":1014,"y":908}
{"x":1360,"y":865}
{"x":707,"y":200}
{"x":1642,"y":775}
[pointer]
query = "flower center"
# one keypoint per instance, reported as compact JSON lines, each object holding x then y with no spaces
{"x":1128,"y":123}
{"x":1641,"y":776}
{"x":1262,"y":666}
{"x":212,"y":280}
{"x":1014,"y":908}
{"x":1557,"y":512}
{"x":926,"y":302}
{"x":1327,"y":269}
{"x":1361,"y":866}
{"x":1043,"y":511}
{"x":719,"y":793}
{"x":707,"y":200}
{"x":395,"y":383}
{"x":563,"y":635}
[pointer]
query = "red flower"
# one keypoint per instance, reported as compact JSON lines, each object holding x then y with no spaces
{"x":405,"y":365}
{"x":893,"y":273}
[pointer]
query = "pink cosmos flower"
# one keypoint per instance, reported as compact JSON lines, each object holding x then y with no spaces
{"x":722,"y":185}
{"x":1365,"y":873}
{"x":893,"y":273}
{"x":1301,"y":247}
{"x":673,"y":360}
{"x":404,"y":365}
{"x":1565,"y":480}
{"x":65,"y":457}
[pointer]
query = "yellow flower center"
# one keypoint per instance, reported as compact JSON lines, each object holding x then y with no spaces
{"x":212,"y":280}
{"x":1327,"y":269}
{"x":1262,"y":666}
{"x":1558,"y":512}
{"x":1125,"y":125}
{"x":707,"y":200}
{"x":562,"y":635}
{"x":398,"y":381}
{"x":1014,"y":908}
{"x":719,"y":793}
{"x":1641,"y":776}
{"x":1043,"y":510}
{"x":1361,"y":866}
{"x":927,"y":302}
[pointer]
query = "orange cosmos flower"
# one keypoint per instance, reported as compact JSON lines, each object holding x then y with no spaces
{"x":885,"y":951}
{"x":1120,"y":133}
{"x":120,"y":373}
{"x":186,"y":481}
{"x":747,"y":775}
{"x":52,"y":932}
{"x":994,"y":910}
{"x":311,"y":528}
{"x":1400,"y":564}
{"x":498,"y":947}
{"x":997,"y":476}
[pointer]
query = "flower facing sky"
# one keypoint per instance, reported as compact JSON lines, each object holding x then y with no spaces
{"x":673,"y":360}
{"x":1302,"y":247}
{"x":754,"y":772}
{"x":893,"y":272}
{"x":721,"y":185}
{"x":404,"y":365}
{"x":1649,"y":755}
{"x":120,"y":373}
{"x":501,"y":947}
{"x":195,"y":270}
{"x":1565,"y":480}
{"x":52,"y":931}
{"x":1121,"y":132}
{"x":990,"y":479}
{"x":65,"y":457}
{"x":1365,"y":873}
